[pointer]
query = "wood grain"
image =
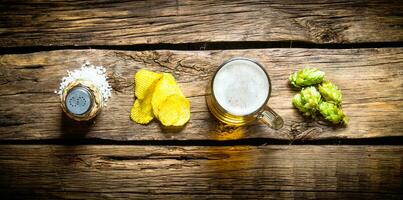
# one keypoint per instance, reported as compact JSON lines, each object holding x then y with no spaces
{"x":371,"y":81}
{"x":266,"y":172}
{"x":106,"y":22}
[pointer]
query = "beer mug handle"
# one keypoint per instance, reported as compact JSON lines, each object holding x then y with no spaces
{"x":271,"y":118}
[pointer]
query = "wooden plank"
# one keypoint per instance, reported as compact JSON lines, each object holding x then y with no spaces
{"x":274,"y":195}
{"x":61,"y":23}
{"x":371,"y":81}
{"x":265,"y":172}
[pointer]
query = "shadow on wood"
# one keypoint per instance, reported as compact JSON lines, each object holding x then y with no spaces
{"x":72,"y":129}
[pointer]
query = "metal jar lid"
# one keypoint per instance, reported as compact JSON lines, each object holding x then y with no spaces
{"x":79,"y":101}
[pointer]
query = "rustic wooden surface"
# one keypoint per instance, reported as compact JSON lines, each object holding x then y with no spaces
{"x":265,"y":172}
{"x":71,"y":23}
{"x":36,"y":163}
{"x":371,"y":81}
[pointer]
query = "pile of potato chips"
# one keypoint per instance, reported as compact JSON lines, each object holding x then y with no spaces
{"x":158,"y":95}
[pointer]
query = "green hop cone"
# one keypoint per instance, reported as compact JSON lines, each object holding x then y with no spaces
{"x":330,"y":92}
{"x":307,"y":101}
{"x":299,"y":104}
{"x":306,"y":77}
{"x":332,"y":113}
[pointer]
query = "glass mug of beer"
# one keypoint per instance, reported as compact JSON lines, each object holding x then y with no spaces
{"x":238,"y":93}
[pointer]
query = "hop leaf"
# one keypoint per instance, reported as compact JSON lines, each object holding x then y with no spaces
{"x":306,"y":77}
{"x":299,"y":104}
{"x":330,"y":92}
{"x":307,"y":101}
{"x":332,"y":113}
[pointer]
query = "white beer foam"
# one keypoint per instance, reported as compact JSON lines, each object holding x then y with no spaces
{"x":241,"y":87}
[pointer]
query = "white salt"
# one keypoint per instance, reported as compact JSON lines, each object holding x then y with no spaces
{"x":88,"y":72}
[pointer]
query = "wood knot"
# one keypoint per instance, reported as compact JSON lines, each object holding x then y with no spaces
{"x":228,"y":132}
{"x":326,"y":33}
{"x":304,"y":130}
{"x":117,"y":82}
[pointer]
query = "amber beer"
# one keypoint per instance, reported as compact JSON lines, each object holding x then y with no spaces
{"x":238,"y":93}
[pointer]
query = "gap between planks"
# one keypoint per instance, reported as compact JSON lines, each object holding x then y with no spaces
{"x":248,"y":142}
{"x":197,"y":46}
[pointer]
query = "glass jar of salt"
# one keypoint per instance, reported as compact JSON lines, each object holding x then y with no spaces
{"x":84,"y":92}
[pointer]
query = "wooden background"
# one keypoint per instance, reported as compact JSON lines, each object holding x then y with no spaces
{"x":44,"y":155}
{"x":109,"y":22}
{"x":371,"y":80}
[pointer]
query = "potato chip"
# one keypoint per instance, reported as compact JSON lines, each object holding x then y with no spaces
{"x":141,"y":111}
{"x":159,"y":95}
{"x":145,"y":80}
{"x":184,"y":111}
{"x":174,"y":111}
{"x":165,"y":87}
{"x":169,"y":111}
